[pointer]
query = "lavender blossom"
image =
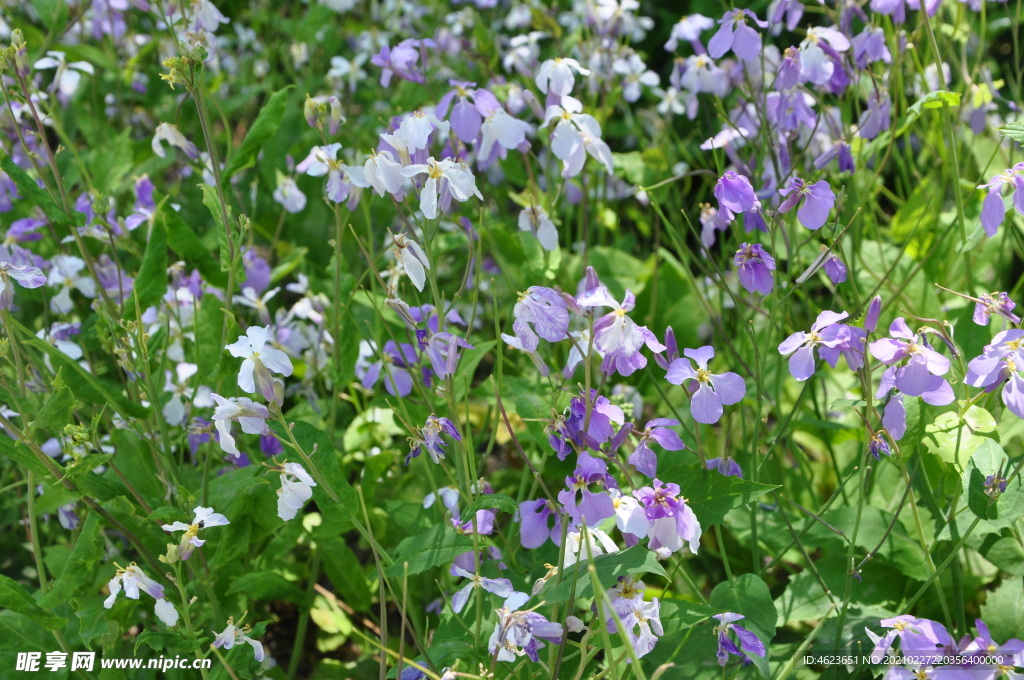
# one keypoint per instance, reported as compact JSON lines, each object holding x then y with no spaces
{"x":712,"y":390}
{"x":755,"y":267}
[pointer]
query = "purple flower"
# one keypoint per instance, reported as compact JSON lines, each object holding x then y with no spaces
{"x":749,"y":642}
{"x":755,"y":267}
{"x":24,"y":275}
{"x":993,"y":209}
{"x":568,"y":429}
{"x":1000,"y":364}
{"x":735,"y":195}
{"x":918,"y":637}
{"x":712,"y":391}
{"x":401,"y":60}
{"x":582,"y":504}
{"x":545,"y":310}
{"x":835,"y":269}
{"x":871,"y":316}
{"x":534,"y":518}
{"x":672,"y":522}
{"x":443,"y":351}
{"x":818,"y":200}
{"x":617,"y":336}
{"x":876,"y":117}
{"x":643,"y":458}
{"x":430,"y":438}
{"x":726,"y":466}
{"x":996,"y":303}
{"x":641,"y":620}
{"x":521,"y":629}
{"x":735,"y":34}
{"x":471,"y":106}
{"x":689,"y":28}
{"x":825,"y":332}
{"x":393,"y":362}
{"x":501,"y":587}
{"x":878,"y":446}
{"x":921,"y":375}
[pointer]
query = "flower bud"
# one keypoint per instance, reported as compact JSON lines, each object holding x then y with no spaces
{"x":309,"y":110}
{"x":871,"y":318}
{"x":20,"y":53}
{"x":335,"y":119}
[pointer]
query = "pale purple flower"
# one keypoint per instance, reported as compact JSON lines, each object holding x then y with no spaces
{"x":672,"y":522}
{"x":233,"y":635}
{"x":736,"y":35}
{"x":921,"y":375}
{"x":755,"y":267}
{"x":616,"y":335}
{"x":825,"y":332}
{"x":501,"y":587}
{"x":871,"y":316}
{"x":24,"y":275}
{"x":657,"y":430}
{"x":471,"y":105}
{"x":712,"y":390}
{"x":875,"y":119}
{"x":393,"y":363}
{"x":402,"y":60}
{"x":540,"y":312}
{"x":816,"y":201}
{"x":921,"y":638}
{"x":1000,"y":364}
{"x":726,"y":466}
{"x":688,"y":29}
{"x":534,"y":519}
{"x":835,"y":269}
{"x":641,"y":620}
{"x":999,"y":304}
{"x":250,"y":415}
{"x":518,"y":633}
{"x":735,"y":195}
{"x":443,"y":351}
{"x":993,"y":210}
{"x":429,"y":438}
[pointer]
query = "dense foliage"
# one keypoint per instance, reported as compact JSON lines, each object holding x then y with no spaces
{"x":406,"y":338}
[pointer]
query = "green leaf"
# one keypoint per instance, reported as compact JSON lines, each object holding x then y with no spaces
{"x":187,"y":245}
{"x":497,"y":501}
{"x":711,"y":495}
{"x":1014,"y":131}
{"x":171,"y":642}
{"x":267,"y":585}
{"x":56,"y":412}
{"x":438,"y":545}
{"x":635,"y":560}
{"x":111,"y":164}
{"x":935,"y":100}
{"x":266,"y":125}
{"x":955,"y":439}
{"x":80,"y":567}
{"x":342,"y":566}
{"x":151,"y":282}
{"x":985,"y":501}
{"x":680,"y":614}
{"x":84,"y":385}
{"x":1003,"y":610}
{"x":212,"y":201}
{"x":748,"y":595}
{"x":16,"y":599}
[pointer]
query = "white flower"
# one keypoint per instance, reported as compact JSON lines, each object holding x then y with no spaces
{"x":68,"y":75}
{"x":65,"y":272}
{"x":174,"y":409}
{"x":296,"y":489}
{"x":248,"y":298}
{"x":132,"y":579}
{"x":233,"y":635}
{"x":598,"y":543}
{"x":413,"y":132}
{"x":556,"y":75}
{"x":446,"y":176}
{"x":536,"y":220}
{"x":205,"y":518}
{"x":249,"y":414}
{"x":384,"y":173}
{"x":412,"y":258}
{"x":260,"y":361}
{"x":502,"y":128}
{"x":168,"y":132}
{"x":289,"y":195}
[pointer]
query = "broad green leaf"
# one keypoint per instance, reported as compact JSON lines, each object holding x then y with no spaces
{"x":56,"y":412}
{"x":342,"y":566}
{"x":710,"y":494}
{"x":112,"y":163}
{"x":1014,"y":131}
{"x":635,"y":560}
{"x":170,"y":641}
{"x":437,"y":546}
{"x":80,"y":568}
{"x":680,"y":614}
{"x":987,"y":469}
{"x":16,"y":599}
{"x":498,"y":501}
{"x":935,"y":100}
{"x":1003,"y":610}
{"x":266,"y":125}
{"x":955,"y":439}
